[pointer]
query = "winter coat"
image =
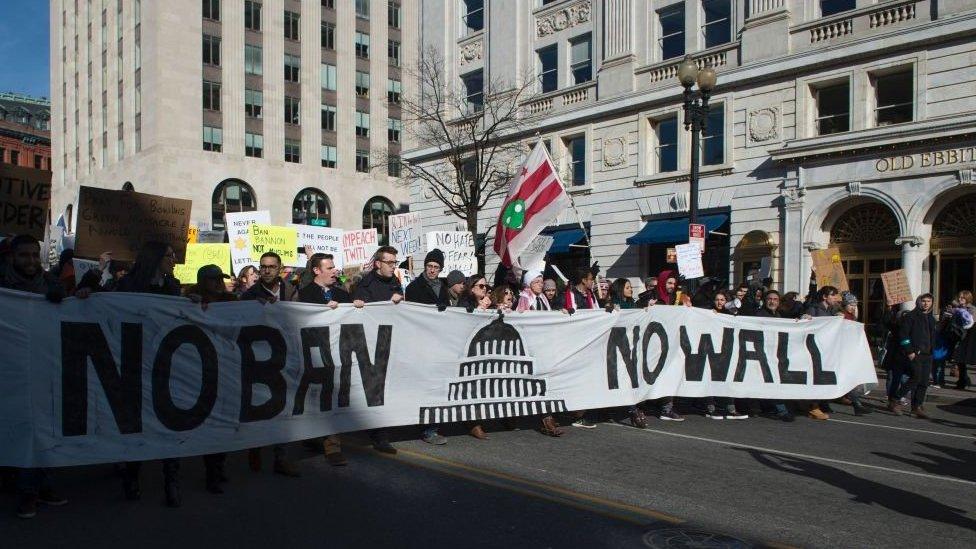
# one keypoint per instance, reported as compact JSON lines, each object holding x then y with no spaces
{"x":170,"y":286}
{"x":528,"y":301}
{"x":373,"y":288}
{"x":764,"y":312}
{"x":818,"y":309}
{"x":916,"y":332}
{"x":419,"y":291}
{"x":286,"y":291}
{"x":313,"y":293}
{"x":965,"y":352}
{"x":42,"y":283}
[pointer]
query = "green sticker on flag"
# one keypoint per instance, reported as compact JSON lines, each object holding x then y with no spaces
{"x":514,"y":216}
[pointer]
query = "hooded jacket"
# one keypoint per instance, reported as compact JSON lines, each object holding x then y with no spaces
{"x":373,"y":288}
{"x":916,"y":331}
{"x":663,"y":296}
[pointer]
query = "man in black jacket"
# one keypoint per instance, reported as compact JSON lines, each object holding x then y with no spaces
{"x":770,"y":309}
{"x":916,"y":333}
{"x":429,"y":288}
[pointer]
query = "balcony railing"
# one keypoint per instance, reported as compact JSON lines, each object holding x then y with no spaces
{"x":717,"y":57}
{"x":855,"y":23}
{"x":557,"y":100}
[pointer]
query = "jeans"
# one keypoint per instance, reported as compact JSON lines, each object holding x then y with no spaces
{"x":897,"y":376}
{"x":919,"y":382}
{"x":963,"y":376}
{"x":938,"y":372}
{"x":31,"y":481}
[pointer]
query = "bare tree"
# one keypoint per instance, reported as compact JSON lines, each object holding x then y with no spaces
{"x":470,"y":144}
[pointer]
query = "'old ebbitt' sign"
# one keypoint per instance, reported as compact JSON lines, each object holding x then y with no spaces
{"x":930,"y":159}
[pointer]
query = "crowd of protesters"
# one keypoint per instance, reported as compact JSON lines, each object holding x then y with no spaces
{"x":919,"y":347}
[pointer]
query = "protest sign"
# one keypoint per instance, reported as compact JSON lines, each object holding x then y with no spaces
{"x":25,"y":197}
{"x":458,"y":248}
{"x":271,"y":238}
{"x":321,"y":240}
{"x":671,"y":256}
{"x":192,"y":234}
{"x":82,"y":266}
{"x":896,"y":288}
{"x":828,"y":269}
{"x":533,"y":257}
{"x":690,"y":261}
{"x":405,"y":234}
{"x":198,"y":255}
{"x":239,"y":236}
{"x":359,"y":246}
{"x":130,"y":377}
{"x":765,"y":267}
{"x":210,"y":237}
{"x":122,"y":221}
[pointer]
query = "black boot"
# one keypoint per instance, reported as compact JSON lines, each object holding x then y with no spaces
{"x":130,"y":481}
{"x":171,"y":482}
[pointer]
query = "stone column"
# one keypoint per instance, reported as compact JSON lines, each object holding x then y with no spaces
{"x":791,"y":246}
{"x":912,"y":256}
{"x":618,"y":59}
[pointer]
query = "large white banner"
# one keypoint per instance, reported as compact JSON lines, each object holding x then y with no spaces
{"x":123,"y":377}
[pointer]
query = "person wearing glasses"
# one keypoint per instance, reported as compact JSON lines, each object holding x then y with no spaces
{"x":503,"y":298}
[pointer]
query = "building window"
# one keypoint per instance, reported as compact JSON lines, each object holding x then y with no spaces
{"x":213,"y":139}
{"x":393,"y":52}
{"x":293,"y":150}
{"x":328,"y":4}
{"x":291,"y":25}
{"x":671,"y":32}
{"x":833,"y":108}
{"x":253,"y":60}
{"x":393,"y":167}
{"x":328,"y":77}
{"x":472,"y":16}
{"x":15,"y":157}
{"x":376,"y":215}
{"x":717,"y":28}
{"x":362,"y":161}
{"x":211,"y":50}
{"x":329,"y":156}
{"x":548,"y":69}
{"x":362,"y":124}
{"x":393,"y":15}
{"x":211,"y":9}
{"x":329,"y":118}
{"x":362,"y":45}
{"x":38,"y":162}
{"x":293,"y":65}
{"x":393,"y":91}
{"x":231,"y":196}
{"x":311,"y":207}
{"x":576,"y":159}
{"x":362,"y":9}
{"x":713,"y":137}
{"x":328,"y":36}
{"x":362,"y":84}
{"x":830,"y":7}
{"x":252,"y":15}
{"x":253,"y":103}
{"x":394,"y":128}
{"x":894,"y":97}
{"x":254,"y":145}
{"x":211,"y":96}
{"x":293,"y":111}
{"x":581,"y":65}
{"x":666,"y":144}
{"x":474,"y":91}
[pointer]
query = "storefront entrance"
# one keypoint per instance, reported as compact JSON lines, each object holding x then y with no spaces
{"x":954,"y":249}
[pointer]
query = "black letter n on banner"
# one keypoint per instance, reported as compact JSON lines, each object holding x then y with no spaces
{"x":168,"y":413}
{"x":123,"y":386}
{"x":317,"y":337}
{"x":266,"y":372}
{"x":352,"y":339}
{"x":618,"y":344}
{"x":718,"y":363}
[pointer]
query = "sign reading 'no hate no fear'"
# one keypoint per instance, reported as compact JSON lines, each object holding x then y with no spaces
{"x":122,"y":221}
{"x":25,"y":196}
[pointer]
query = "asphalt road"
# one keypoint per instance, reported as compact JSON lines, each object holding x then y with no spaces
{"x":874,"y":481}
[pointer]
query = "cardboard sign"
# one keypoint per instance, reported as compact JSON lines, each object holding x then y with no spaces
{"x":122,"y":221}
{"x":533,"y":257}
{"x":896,"y":288}
{"x":239,"y":236}
{"x":828,"y":269}
{"x":321,"y":240}
{"x":25,"y":197}
{"x":458,"y":248}
{"x":280,"y":240}
{"x":696,"y":235}
{"x":406,"y":231}
{"x":198,"y":255}
{"x":359,"y":246}
{"x":210,"y":237}
{"x":690,"y":261}
{"x":672,"y":256}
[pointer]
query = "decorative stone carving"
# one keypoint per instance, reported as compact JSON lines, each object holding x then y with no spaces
{"x":911,"y":241}
{"x":568,"y":17}
{"x":967,"y":177}
{"x":470,"y":52}
{"x":854,"y":188}
{"x":793,"y":194}
{"x":614,"y":152}
{"x":764,"y":124}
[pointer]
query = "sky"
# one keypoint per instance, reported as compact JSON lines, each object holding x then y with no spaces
{"x":24,"y":47}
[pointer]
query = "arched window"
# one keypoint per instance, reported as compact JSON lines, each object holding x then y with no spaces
{"x":871,"y":222}
{"x":311,"y":207}
{"x":231,"y":195}
{"x":376,"y":215}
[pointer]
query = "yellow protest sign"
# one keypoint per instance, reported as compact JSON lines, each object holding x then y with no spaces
{"x":192,"y":235}
{"x":198,"y":255}
{"x":270,"y":238}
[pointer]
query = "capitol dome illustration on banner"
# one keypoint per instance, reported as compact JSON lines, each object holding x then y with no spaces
{"x":495,"y":380}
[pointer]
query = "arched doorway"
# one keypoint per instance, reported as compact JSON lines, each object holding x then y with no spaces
{"x":231,"y":195}
{"x":953,"y":247}
{"x":865,"y":235}
{"x":749,"y":254}
{"x":311,"y":207}
{"x":376,"y":215}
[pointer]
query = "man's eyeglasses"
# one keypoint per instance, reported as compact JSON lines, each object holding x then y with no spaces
{"x":433,"y":266}
{"x":485,"y":286}
{"x":390,"y":262}
{"x":269,"y":267}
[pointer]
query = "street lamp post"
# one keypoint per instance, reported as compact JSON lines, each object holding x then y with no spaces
{"x":696,"y":115}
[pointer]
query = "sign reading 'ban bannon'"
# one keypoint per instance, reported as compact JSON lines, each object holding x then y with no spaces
{"x":135,"y":377}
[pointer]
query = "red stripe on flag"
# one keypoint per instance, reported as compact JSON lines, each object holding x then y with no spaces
{"x":531,"y":183}
{"x":548,"y":194}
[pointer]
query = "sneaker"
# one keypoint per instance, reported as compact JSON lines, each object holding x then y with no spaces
{"x":816,"y":413}
{"x":920,"y":413}
{"x":47,"y":496}
{"x":903,"y":401}
{"x":27,"y":506}
{"x":584,"y":423}
{"x":714,"y":414}
{"x":736,"y":415}
{"x":670,"y":415}
{"x":894,"y":407}
{"x":433,"y":437}
{"x":638,"y":419}
{"x":934,"y":387}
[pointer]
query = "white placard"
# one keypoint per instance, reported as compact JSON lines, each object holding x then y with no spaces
{"x":239,"y":236}
{"x":690,"y":261}
{"x":358,"y":247}
{"x":533,"y":257}
{"x":322,"y":240}
{"x":82,"y":266}
{"x":458,"y":248}
{"x":406,"y":233}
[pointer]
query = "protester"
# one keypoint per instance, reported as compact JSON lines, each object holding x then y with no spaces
{"x":245,"y":279}
{"x":551,"y":291}
{"x":476,"y":294}
{"x":734,"y":304}
{"x":456,"y":282}
{"x":667,"y":294}
{"x":532,"y":298}
{"x":22,"y":271}
{"x":324,"y":289}
{"x":894,"y":361}
{"x":623,"y":294}
{"x":378,"y":285}
{"x":849,"y":311}
{"x":916,"y":335}
{"x":271,"y":288}
{"x":720,"y":306}
{"x":429,"y":288}
{"x":650,"y":295}
{"x":772,"y":309}
{"x":790,"y":306}
{"x":578,"y":296}
{"x":824,"y":304}
{"x":964,"y":354}
{"x":503,"y":298}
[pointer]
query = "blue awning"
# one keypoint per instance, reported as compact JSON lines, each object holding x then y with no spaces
{"x":562,"y":240}
{"x":671,"y":231}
